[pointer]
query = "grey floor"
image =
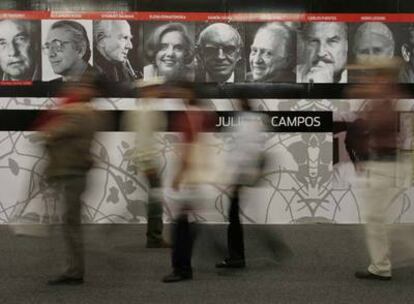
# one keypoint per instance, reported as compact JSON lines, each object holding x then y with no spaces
{"x":315,"y":265}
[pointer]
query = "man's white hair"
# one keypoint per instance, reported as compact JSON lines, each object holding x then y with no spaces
{"x":218,"y":27}
{"x":103,"y":28}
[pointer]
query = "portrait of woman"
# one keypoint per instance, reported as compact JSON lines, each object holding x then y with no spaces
{"x":170,"y":53}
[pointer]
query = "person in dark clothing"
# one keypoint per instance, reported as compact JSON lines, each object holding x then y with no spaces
{"x":245,"y":164}
{"x":188,"y":181}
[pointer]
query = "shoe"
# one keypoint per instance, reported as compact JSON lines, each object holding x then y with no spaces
{"x":365,"y":274}
{"x":65,"y":280}
{"x":228,"y":263}
{"x":177,"y":277}
{"x":160,"y":244}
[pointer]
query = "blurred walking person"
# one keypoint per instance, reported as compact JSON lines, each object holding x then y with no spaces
{"x":374,"y":148}
{"x":68,"y":134}
{"x":245,"y":165}
{"x":144,"y":122}
{"x":193,"y":173}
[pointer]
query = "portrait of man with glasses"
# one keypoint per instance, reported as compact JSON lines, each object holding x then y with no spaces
{"x":68,"y":51}
{"x":19,"y":50}
{"x":218,"y":51}
{"x":272,"y":53}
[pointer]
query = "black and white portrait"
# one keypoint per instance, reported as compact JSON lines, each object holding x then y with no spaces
{"x":322,"y":53}
{"x":271,"y":52}
{"x":67,"y":52}
{"x":407,"y":53}
{"x":19,"y":50}
{"x":169,"y":50}
{"x":116,"y":49}
{"x":219,"y":53}
{"x":371,"y":43}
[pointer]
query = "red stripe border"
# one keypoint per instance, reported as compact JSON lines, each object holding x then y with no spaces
{"x":210,"y":16}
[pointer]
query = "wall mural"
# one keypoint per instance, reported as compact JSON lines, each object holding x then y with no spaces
{"x":299,"y":184}
{"x":308,"y":176}
{"x":55,"y":47}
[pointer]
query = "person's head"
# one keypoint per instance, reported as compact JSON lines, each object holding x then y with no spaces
{"x":67,"y":46}
{"x":113,"y":39}
{"x":16,"y":49}
{"x":271,"y":51}
{"x":407,"y":49}
{"x":219,"y":50}
{"x":169,"y":48}
{"x":373,"y":41}
{"x":326,"y":44}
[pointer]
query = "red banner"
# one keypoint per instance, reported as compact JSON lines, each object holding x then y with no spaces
{"x":15,"y":83}
{"x":212,"y":16}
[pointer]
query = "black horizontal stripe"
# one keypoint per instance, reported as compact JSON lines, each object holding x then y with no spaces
{"x":23,"y":120}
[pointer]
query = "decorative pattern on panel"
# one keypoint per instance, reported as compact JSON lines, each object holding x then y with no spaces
{"x":299,"y":184}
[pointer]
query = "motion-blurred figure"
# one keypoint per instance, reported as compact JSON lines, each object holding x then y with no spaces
{"x":68,"y":134}
{"x":245,"y":164}
{"x":188,"y":182}
{"x":145,"y":121}
{"x":374,"y":152}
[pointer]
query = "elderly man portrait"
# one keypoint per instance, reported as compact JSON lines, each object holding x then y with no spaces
{"x":170,"y":51}
{"x":19,"y":50}
{"x":68,"y":49}
{"x":113,"y":41}
{"x":407,"y":51}
{"x":218,"y":54}
{"x":272,"y":56}
{"x":325,"y":49}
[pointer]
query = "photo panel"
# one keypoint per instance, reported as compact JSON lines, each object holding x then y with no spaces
{"x":270,"y":52}
{"x":322,"y":52}
{"x":66,"y":49}
{"x":220,"y":52}
{"x":116,"y":50}
{"x":406,"y":50}
{"x":371,"y":43}
{"x":20,"y":50}
{"x":169,"y":50}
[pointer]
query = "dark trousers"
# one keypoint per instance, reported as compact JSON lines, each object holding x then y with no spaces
{"x":235,"y":239}
{"x":72,"y":188}
{"x":183,"y":237}
{"x":154,"y":211}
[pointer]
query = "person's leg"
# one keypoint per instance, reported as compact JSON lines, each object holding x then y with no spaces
{"x":235,"y":240}
{"x":183,"y":244}
{"x":74,"y":186}
{"x":154,"y":213}
{"x":182,"y":247}
{"x":376,"y":196}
